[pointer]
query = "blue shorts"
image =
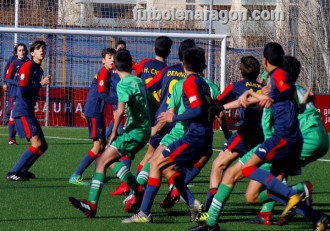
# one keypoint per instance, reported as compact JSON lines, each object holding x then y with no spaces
{"x":155,"y":140}
{"x":28,"y":127}
{"x":284,"y":154}
{"x":96,"y":127}
{"x":184,"y":153}
{"x":243,"y":142}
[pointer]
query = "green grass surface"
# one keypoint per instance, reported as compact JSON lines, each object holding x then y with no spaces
{"x":42,"y":204}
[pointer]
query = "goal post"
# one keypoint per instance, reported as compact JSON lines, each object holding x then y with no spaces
{"x":73,"y":58}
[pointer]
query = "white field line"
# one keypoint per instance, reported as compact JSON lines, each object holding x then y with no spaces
{"x":77,"y":139}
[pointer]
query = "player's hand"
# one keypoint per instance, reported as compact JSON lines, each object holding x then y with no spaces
{"x":165,"y":117}
{"x":266,"y":102}
{"x":84,"y":117}
{"x":5,"y":87}
{"x":113,"y":136}
{"x":265,"y":90}
{"x":243,"y":99}
{"x":45,"y":81}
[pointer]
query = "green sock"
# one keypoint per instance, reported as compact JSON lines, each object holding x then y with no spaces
{"x":96,"y":187}
{"x":299,"y":187}
{"x":268,"y":206}
{"x":143,"y":176}
{"x":125,"y":175}
{"x":263,"y":197}
{"x":219,"y":200}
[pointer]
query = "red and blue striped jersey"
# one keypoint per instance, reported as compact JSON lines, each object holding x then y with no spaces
{"x":164,"y":81}
{"x":285,"y":105}
{"x":100,"y":86}
{"x":114,"y":80}
{"x":27,"y":93}
{"x":249,"y":117}
{"x":148,"y":68}
{"x":12,"y":75}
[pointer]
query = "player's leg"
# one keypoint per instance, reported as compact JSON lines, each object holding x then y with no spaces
{"x":89,"y":206}
{"x":28,"y":126}
{"x":11,"y":124}
{"x":96,"y":129}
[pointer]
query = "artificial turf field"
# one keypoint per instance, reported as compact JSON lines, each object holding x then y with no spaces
{"x":42,"y":203}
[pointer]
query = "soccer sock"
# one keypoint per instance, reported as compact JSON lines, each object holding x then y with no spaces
{"x":263,"y":197}
{"x":268,"y":180}
{"x":150,"y":194}
{"x":191,"y":174}
{"x":126,"y":161}
{"x":86,"y":161}
{"x":31,"y":161}
{"x":268,"y":207}
{"x":143,"y":176}
{"x":218,"y":202}
{"x":177,"y":179}
{"x":125,"y":175}
{"x":209,"y":198}
{"x":96,"y":187}
{"x":138,"y":170}
{"x":299,"y":187}
{"x":27,"y":155}
{"x":11,"y":129}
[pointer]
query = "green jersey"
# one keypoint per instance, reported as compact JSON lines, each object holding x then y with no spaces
{"x":131,"y":91}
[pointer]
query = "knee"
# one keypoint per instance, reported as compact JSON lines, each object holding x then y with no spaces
{"x":251,"y":198}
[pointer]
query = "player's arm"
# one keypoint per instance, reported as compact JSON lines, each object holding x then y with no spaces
{"x":118,"y":116}
{"x":282,"y":85}
{"x":9,"y":75}
{"x":26,"y":87}
{"x":226,"y":95}
{"x":139,"y":68}
{"x":102,"y":86}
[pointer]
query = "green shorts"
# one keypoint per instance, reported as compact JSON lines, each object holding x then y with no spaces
{"x":129,"y":143}
{"x":175,"y":134}
{"x":244,"y":159}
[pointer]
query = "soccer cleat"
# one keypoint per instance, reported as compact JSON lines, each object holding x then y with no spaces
{"x":16,"y":177}
{"x":205,"y":227}
{"x":122,"y":189}
{"x":29,"y":175}
{"x":12,"y":142}
{"x":308,"y":189}
{"x":293,"y":201}
{"x":140,"y":217}
{"x":172,"y":198}
{"x":133,"y":202}
{"x":88,"y":208}
{"x":322,"y":224}
{"x":262,"y":218}
{"x":203,"y":217}
{"x":285,"y":220}
{"x":195,"y":210}
{"x":77,"y":180}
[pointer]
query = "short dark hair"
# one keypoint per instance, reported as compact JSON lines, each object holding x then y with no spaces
{"x":121,"y":42}
{"x":108,"y":51}
{"x":249,"y":67}
{"x":292,"y":66}
{"x":274,"y":54}
{"x":36,"y":45}
{"x":123,"y":60}
{"x":185,"y":44}
{"x":194,"y":59}
{"x":19,"y":45}
{"x":163,"y":46}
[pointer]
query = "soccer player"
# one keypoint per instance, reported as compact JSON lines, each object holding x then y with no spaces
{"x":316,"y":143}
{"x":12,"y":79}
{"x":146,"y":70}
{"x":98,"y":96}
{"x":31,"y":80}
{"x":135,"y":100}
{"x":186,"y":150}
{"x":249,"y":133}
